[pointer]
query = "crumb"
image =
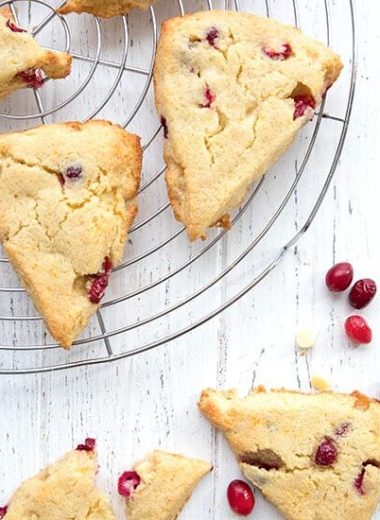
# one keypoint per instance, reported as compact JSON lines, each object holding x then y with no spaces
{"x":319,"y":383}
{"x":305,"y":338}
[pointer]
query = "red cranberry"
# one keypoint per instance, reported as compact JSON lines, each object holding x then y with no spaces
{"x":283,"y":53}
{"x":343,"y":429}
{"x":240,"y":497}
{"x":339,"y":277}
{"x":212,"y":35}
{"x":209,"y":98}
{"x":89,"y":445}
{"x":99,"y":282}
{"x":362,"y":293}
{"x":326,"y":453}
{"x":3,"y":511}
{"x":165,"y":127}
{"x":32,"y":77}
{"x":302,"y":103}
{"x":14,"y":28}
{"x":358,"y":482}
{"x":128,"y":482}
{"x":358,"y":330}
{"x":73,"y":172}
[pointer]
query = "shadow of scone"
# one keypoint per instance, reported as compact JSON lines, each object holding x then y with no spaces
{"x":67,"y":200}
{"x":104,"y":8}
{"x":232,"y":90}
{"x":22,"y":58}
{"x":314,"y":456}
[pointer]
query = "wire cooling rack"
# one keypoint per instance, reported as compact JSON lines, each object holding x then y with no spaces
{"x":166,"y":287}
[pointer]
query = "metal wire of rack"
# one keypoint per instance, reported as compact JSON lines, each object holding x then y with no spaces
{"x":26,"y":349}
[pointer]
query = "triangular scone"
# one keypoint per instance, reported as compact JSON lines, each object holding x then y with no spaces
{"x":22,"y":58}
{"x":232,"y":90}
{"x":67,"y":199}
{"x":63,"y":491}
{"x":166,"y":482}
{"x":104,"y":8}
{"x":314,"y":456}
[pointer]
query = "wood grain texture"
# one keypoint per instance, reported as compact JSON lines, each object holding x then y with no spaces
{"x":149,"y":401}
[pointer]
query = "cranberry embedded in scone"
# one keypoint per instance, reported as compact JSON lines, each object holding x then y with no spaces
{"x":3,"y":511}
{"x":326,"y":453}
{"x":89,"y":445}
{"x":209,"y":97}
{"x":99,"y":282}
{"x":32,"y":77}
{"x":281,"y":54}
{"x":128,"y":482}
{"x":14,"y":28}
{"x":212,"y":35}
{"x":302,"y":104}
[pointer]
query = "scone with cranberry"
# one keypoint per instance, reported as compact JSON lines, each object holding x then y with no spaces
{"x":232,"y":90}
{"x":314,"y":456}
{"x":63,"y":491}
{"x":160,"y":485}
{"x":67,"y":200}
{"x":23,"y":59}
{"x":104,"y":8}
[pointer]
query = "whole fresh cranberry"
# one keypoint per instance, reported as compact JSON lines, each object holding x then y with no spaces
{"x":339,"y":277}
{"x":326,"y":453}
{"x":358,"y":482}
{"x":32,"y":77}
{"x":14,"y":28}
{"x":302,"y":104}
{"x":3,"y":511}
{"x":362,"y":293}
{"x":98,"y":283}
{"x":89,"y":445}
{"x":212,"y":35}
{"x":283,"y":53}
{"x":240,"y":497}
{"x":127,"y":483}
{"x":358,"y":330}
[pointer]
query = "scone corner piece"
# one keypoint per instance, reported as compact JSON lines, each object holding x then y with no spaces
{"x":305,"y":452}
{"x":103,"y":8}
{"x":160,"y":485}
{"x":64,"y":489}
{"x":221,"y":80}
{"x":68,"y":198}
{"x":23,"y":58}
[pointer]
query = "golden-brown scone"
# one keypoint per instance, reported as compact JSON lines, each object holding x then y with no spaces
{"x":22,"y":58}
{"x":160,"y":485}
{"x":232,"y":90}
{"x":314,"y":456}
{"x":63,"y":491}
{"x":67,"y":200}
{"x":104,"y":8}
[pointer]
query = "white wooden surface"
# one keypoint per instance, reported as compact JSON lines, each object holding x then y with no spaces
{"x":149,"y":401}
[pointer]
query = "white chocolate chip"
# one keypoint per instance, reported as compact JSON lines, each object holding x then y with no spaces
{"x":320,"y":384}
{"x":305,"y":338}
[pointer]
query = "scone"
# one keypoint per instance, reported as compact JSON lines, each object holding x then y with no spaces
{"x":314,"y":456}
{"x":160,"y":485}
{"x":67,"y":199}
{"x":63,"y":491}
{"x":23,"y":59}
{"x":232,"y":90}
{"x":104,"y":8}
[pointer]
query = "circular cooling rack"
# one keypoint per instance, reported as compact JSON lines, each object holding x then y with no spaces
{"x":165,"y":286}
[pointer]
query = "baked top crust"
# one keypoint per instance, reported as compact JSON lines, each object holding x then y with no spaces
{"x":67,"y":200}
{"x":167,"y":482}
{"x":21,"y":55}
{"x":104,"y":8}
{"x":277,"y":435}
{"x":232,"y":90}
